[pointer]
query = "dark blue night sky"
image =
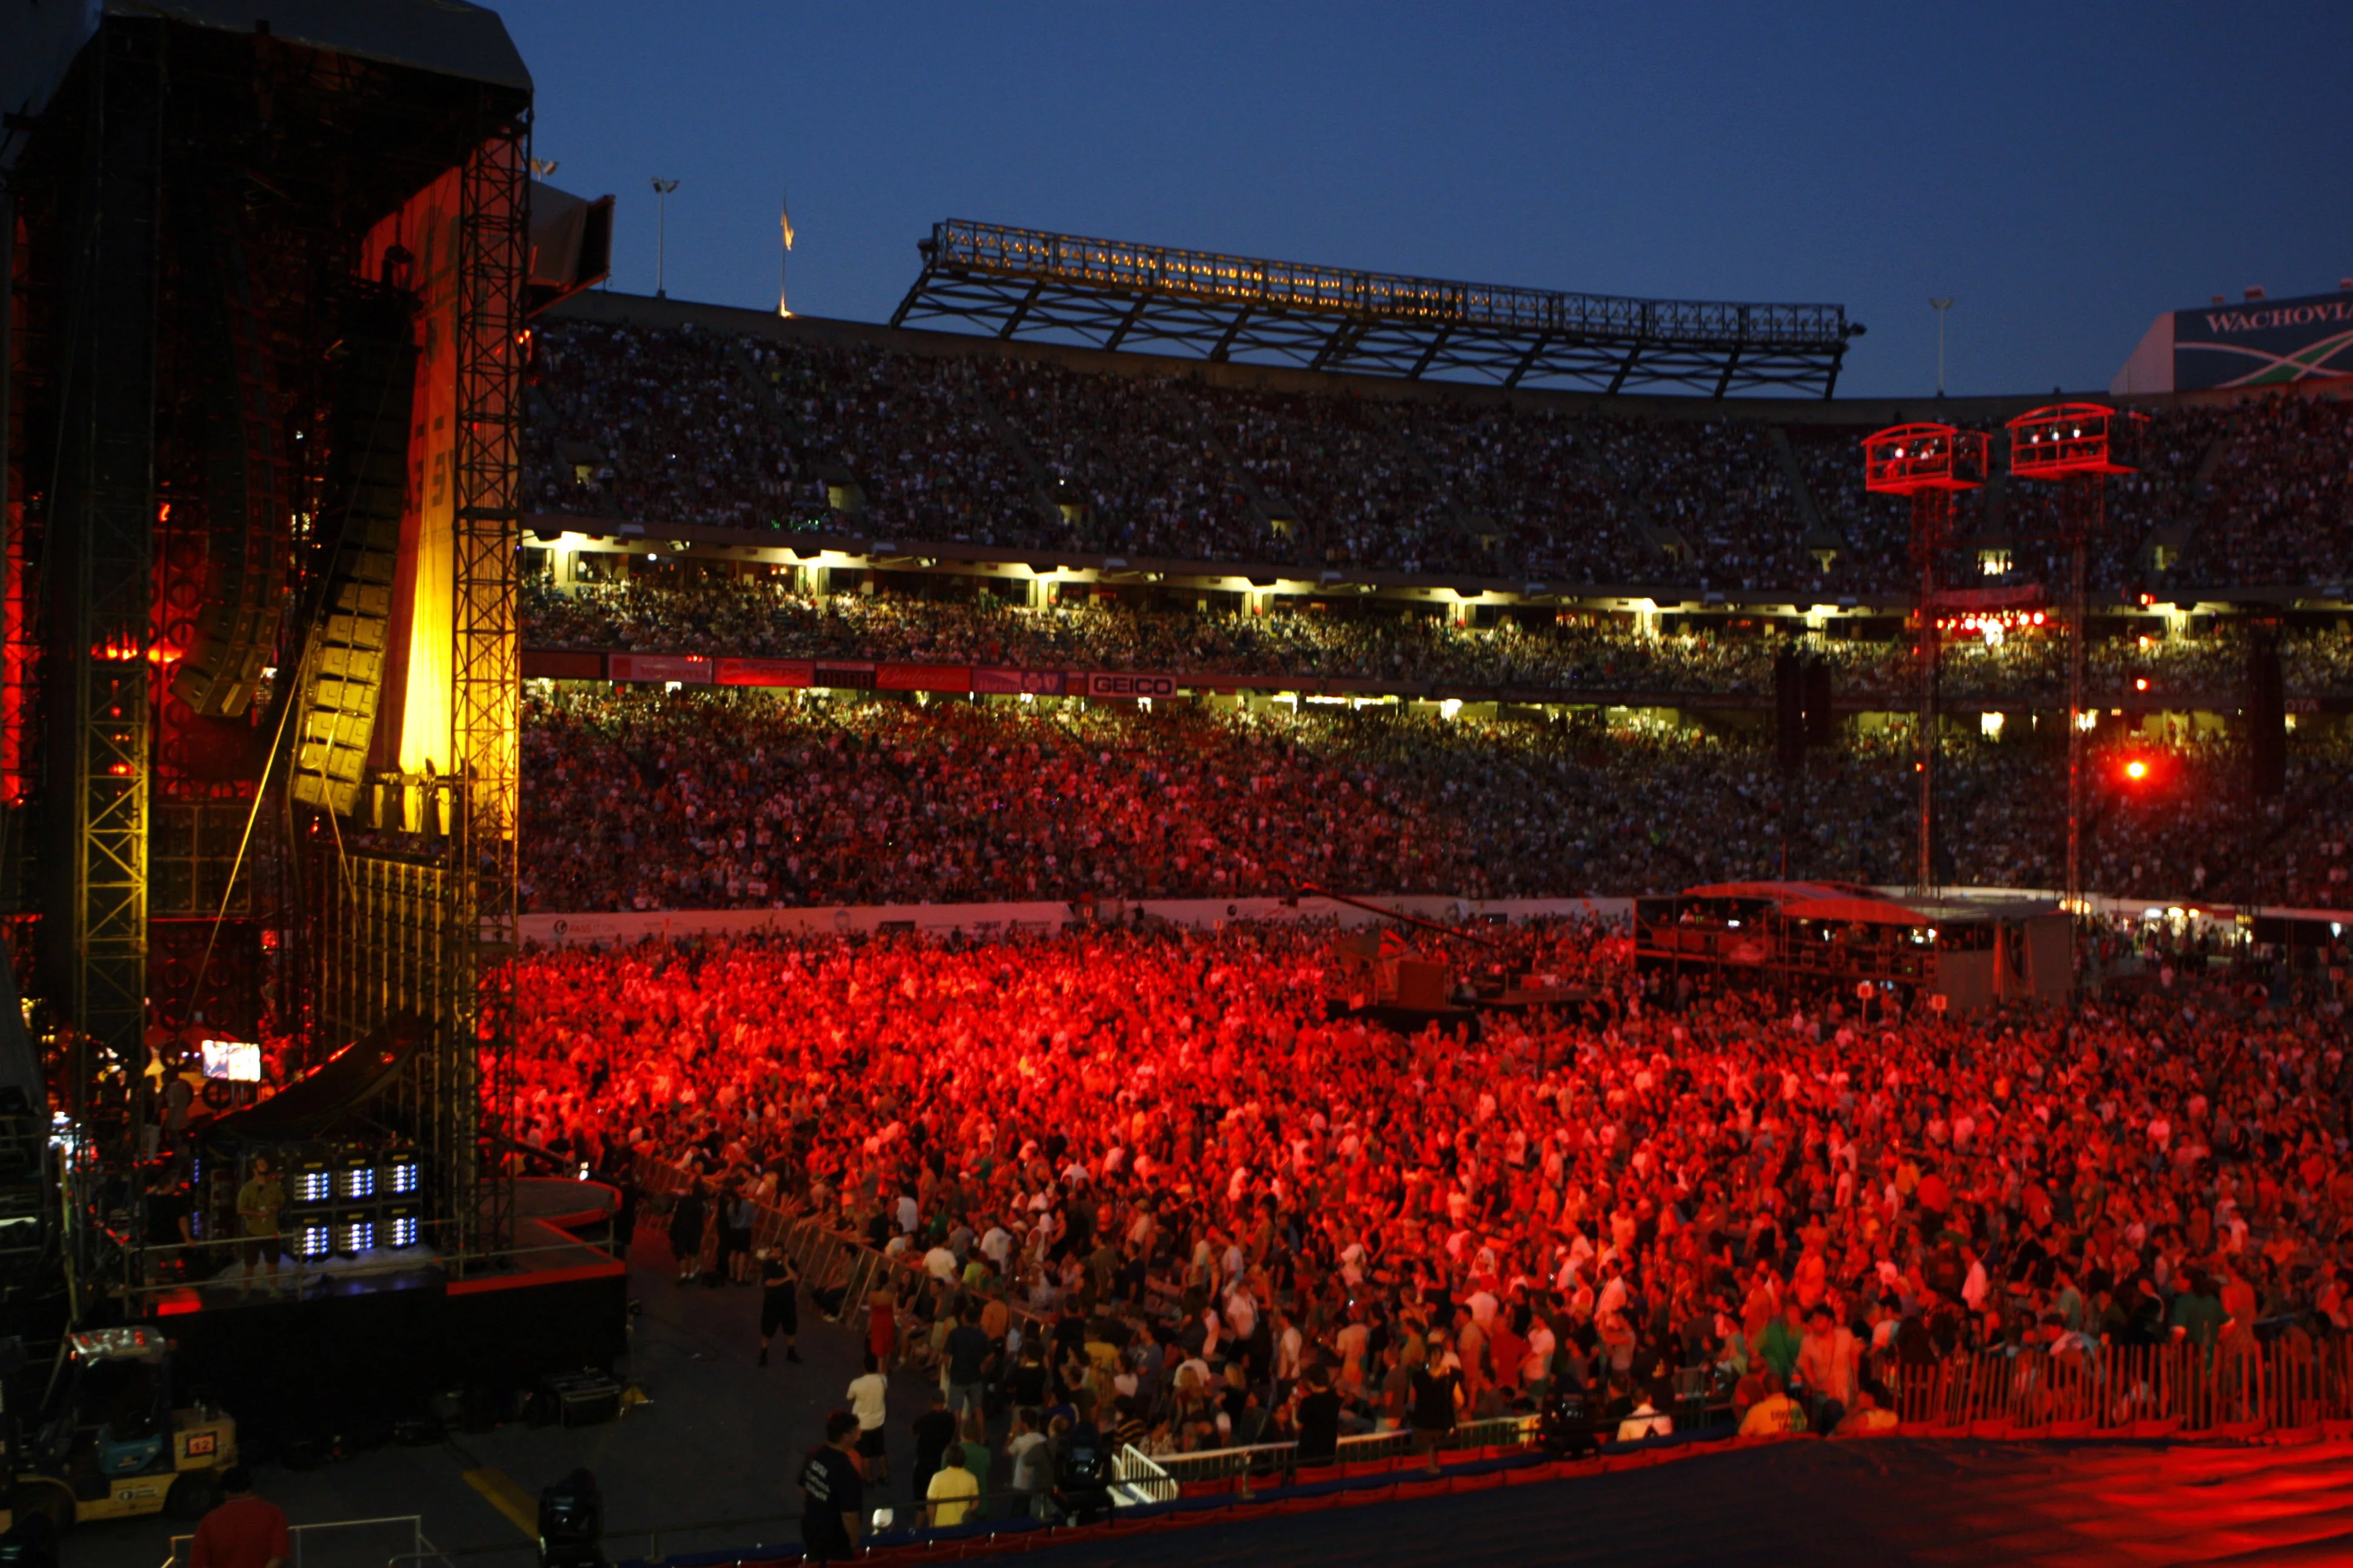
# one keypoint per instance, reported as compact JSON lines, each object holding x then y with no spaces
{"x":2065,"y":172}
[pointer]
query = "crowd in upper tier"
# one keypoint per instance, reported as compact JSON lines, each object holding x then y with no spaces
{"x":643,"y":799}
{"x":1227,"y":1204}
{"x":763,"y":616}
{"x":695,"y":424}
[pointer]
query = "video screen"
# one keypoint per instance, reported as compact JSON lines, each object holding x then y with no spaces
{"x":239,"y":1062}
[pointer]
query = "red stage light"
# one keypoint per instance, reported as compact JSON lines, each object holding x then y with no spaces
{"x":2135,"y":769}
{"x":2140,"y":683}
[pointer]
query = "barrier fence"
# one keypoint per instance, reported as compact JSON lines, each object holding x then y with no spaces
{"x":2290,"y":1384}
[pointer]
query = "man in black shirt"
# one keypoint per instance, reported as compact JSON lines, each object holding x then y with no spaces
{"x":1319,"y":1419}
{"x":970,"y":1352}
{"x":780,"y":1302}
{"x":833,"y":1494}
{"x":934,"y":1431}
{"x":1433,"y":1409}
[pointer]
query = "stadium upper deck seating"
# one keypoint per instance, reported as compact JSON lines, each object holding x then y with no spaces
{"x":696,"y":423}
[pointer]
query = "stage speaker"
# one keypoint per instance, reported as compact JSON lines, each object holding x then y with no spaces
{"x":245,"y":514}
{"x":348,"y":629}
{"x":1788,"y":711}
{"x":1821,"y":719}
{"x":2266,"y":715}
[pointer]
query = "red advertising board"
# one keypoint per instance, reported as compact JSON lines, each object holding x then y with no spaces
{"x":923,"y":677}
{"x":691,"y":668}
{"x":766,"y":672}
{"x":1035,"y":682}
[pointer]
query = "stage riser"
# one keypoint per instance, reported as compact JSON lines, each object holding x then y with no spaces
{"x":365,"y":1359}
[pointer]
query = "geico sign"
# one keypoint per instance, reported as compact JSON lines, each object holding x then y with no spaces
{"x":1132,"y":685}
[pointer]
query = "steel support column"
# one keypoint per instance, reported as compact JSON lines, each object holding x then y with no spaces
{"x":101,"y":541}
{"x":478,"y":1091}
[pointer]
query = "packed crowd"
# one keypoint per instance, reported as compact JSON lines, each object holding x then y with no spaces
{"x":1153,"y":1182}
{"x":699,"y":424}
{"x":649,"y":800}
{"x":763,"y":616}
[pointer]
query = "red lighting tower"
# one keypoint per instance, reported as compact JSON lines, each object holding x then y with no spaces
{"x":2076,"y":446}
{"x":1928,"y":463}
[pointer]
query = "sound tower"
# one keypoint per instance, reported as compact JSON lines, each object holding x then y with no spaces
{"x":342,"y":665}
{"x":1788,"y":711}
{"x":245,"y":569}
{"x":1821,"y":718}
{"x":2266,"y":716}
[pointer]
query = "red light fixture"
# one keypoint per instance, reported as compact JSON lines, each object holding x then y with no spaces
{"x":2136,"y":770}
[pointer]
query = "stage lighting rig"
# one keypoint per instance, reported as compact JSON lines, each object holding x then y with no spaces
{"x":1927,"y":463}
{"x":2076,"y":446}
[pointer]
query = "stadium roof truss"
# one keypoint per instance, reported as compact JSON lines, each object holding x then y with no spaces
{"x":1018,"y":282}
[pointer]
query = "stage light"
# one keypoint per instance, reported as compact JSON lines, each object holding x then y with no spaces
{"x":2140,"y":683}
{"x":399,"y":1175}
{"x":356,"y":1177}
{"x":313,"y":1182}
{"x":313,"y":1238}
{"x":355,"y":1232}
{"x":2135,"y":769}
{"x":401,"y":1227}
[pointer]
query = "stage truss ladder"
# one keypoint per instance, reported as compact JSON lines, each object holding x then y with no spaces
{"x":1016,"y":282}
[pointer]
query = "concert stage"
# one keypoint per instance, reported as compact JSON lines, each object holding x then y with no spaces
{"x":354,"y":1349}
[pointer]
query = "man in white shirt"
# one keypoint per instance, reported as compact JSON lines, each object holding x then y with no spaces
{"x":869,"y":1400}
{"x":1026,"y":1450}
{"x":1645,"y":1422}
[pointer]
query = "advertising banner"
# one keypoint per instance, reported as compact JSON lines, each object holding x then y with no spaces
{"x":2255,"y":343}
{"x":1005,"y":683}
{"x":691,"y":668}
{"x":766,"y":672}
{"x":923,"y":677}
{"x":1123,"y":683}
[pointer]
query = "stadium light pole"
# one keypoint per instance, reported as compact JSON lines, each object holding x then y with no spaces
{"x":662,"y":188}
{"x":1940,"y":307}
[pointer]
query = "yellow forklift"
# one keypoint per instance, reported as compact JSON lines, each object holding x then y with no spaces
{"x":111,"y":1446}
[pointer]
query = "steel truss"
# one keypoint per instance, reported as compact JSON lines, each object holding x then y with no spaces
{"x":487,"y":668}
{"x":103,"y":539}
{"x":1018,"y":282}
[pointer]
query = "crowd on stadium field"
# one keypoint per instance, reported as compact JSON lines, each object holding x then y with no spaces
{"x":693,"y":423}
{"x":1231,"y":1215}
{"x":757,"y":616}
{"x":651,"y":800}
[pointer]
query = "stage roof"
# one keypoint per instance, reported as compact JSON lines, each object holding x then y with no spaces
{"x":447,"y":36}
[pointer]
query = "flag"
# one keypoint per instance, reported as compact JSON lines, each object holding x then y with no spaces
{"x":788,"y":226}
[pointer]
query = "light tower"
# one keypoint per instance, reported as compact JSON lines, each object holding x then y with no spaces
{"x":1928,"y":463}
{"x":2076,"y":446}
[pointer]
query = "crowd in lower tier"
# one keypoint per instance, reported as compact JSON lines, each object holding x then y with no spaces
{"x":636,"y":799}
{"x":731,"y":615}
{"x":1240,"y":1217}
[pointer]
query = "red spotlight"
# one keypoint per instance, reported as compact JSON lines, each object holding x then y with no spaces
{"x":2135,"y":769}
{"x":2140,"y":683}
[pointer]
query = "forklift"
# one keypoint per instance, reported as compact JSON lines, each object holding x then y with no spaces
{"x":111,"y":1446}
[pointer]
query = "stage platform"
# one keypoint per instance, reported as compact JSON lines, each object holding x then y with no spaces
{"x":374,"y":1340}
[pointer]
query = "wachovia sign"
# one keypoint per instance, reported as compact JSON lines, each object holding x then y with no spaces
{"x":2255,"y":343}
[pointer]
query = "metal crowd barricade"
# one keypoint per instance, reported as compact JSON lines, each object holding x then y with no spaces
{"x":2291,"y":1382}
{"x":395,"y":1541}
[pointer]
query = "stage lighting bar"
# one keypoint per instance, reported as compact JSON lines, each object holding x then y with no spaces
{"x":313,"y":1237}
{"x":400,"y":1175}
{"x":402,"y":1226}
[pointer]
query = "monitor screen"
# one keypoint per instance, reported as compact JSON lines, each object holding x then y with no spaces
{"x":236,"y":1060}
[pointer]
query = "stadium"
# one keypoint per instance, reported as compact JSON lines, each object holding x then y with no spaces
{"x":1230,"y":887}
